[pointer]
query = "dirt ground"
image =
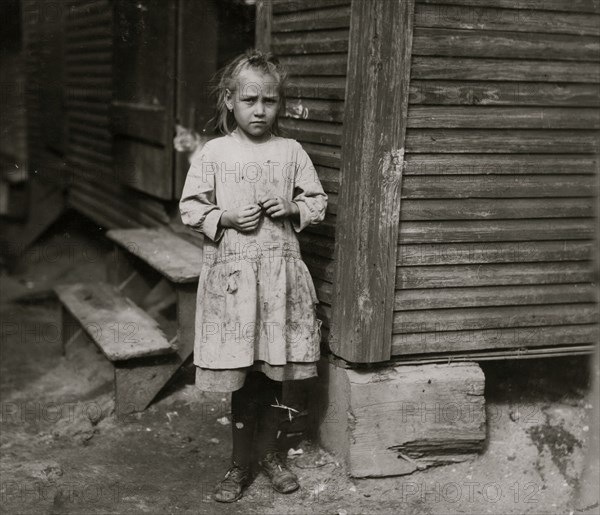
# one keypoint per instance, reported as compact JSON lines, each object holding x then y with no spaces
{"x":64,"y":452}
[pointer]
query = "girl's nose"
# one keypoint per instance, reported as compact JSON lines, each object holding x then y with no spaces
{"x":260,"y":109}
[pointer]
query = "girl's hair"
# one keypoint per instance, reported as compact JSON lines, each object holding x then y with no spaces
{"x":227,"y":77}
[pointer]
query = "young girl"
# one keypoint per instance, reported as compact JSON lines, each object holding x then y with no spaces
{"x":249,"y":192}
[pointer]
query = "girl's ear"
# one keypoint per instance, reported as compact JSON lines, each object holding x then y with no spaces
{"x":228,"y":99}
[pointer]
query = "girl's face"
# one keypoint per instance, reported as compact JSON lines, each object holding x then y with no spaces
{"x":255,"y":104}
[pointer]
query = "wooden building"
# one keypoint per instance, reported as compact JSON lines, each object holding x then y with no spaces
{"x":457,"y":141}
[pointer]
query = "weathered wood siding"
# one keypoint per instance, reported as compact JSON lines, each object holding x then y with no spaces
{"x":42,"y":49}
{"x":496,"y":223}
{"x":95,"y":188}
{"x":311,"y":39}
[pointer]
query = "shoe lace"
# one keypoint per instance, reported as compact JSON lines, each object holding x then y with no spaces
{"x":235,"y":474}
{"x":274,"y":459}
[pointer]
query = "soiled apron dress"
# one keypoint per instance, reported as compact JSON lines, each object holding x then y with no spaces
{"x":256,"y":303}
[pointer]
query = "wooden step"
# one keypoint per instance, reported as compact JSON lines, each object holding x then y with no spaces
{"x":172,"y":256}
{"x":120,"y":328}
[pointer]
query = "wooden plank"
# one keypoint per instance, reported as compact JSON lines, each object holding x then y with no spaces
{"x":316,"y":244}
{"x":262,"y":28}
{"x":144,"y":72}
{"x":504,"y":45}
{"x":462,"y":297}
{"x":471,"y":117}
{"x":518,"y":339}
{"x":320,"y":64}
{"x":140,"y":121}
{"x":120,"y":328}
{"x":312,"y":132}
{"x":497,"y":230}
{"x":320,"y":42}
{"x":503,"y":93}
{"x":494,"y":186}
{"x":449,"y":276}
{"x":581,"y":6}
{"x":465,"y":68}
{"x":132,"y":277}
{"x":367,"y":226}
{"x":163,"y":250}
{"x":499,"y":354}
{"x":320,"y":267}
{"x":481,"y":17}
{"x":497,"y":164}
{"x":285,"y":6}
{"x":500,"y":141}
{"x":318,"y":110}
{"x":333,"y":88}
{"x":490,"y":208}
{"x":318,"y":19}
{"x":324,"y":156}
{"x":493,"y":317}
{"x":138,"y":382}
{"x":82,"y":353}
{"x":197,"y":43}
{"x":324,"y":290}
{"x":493,"y":252}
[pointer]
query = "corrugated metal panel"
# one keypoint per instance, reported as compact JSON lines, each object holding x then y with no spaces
{"x":496,"y":223}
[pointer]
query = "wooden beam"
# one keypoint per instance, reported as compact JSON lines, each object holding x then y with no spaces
{"x":264,"y":16}
{"x":372,"y":161}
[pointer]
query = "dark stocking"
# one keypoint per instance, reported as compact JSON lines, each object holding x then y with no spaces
{"x":270,"y":430}
{"x":244,"y":411}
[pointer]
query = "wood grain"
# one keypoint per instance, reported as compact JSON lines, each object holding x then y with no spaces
{"x":518,"y":339}
{"x":470,"y":68}
{"x":163,"y":250}
{"x":121,"y":329}
{"x":496,"y":274}
{"x":482,"y":17}
{"x":474,"y":297}
{"x":479,"y":93}
{"x":581,"y":6}
{"x":450,"y":231}
{"x":493,"y":252}
{"x":496,"y":317}
{"x":367,"y":225}
{"x":504,"y":45}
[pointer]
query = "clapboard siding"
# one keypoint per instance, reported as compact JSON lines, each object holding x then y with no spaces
{"x":95,"y":189}
{"x":515,"y":339}
{"x":481,"y":17}
{"x":493,"y":252}
{"x":578,"y":6}
{"x":311,"y":40}
{"x":497,"y":213}
{"x":469,"y":68}
{"x":476,"y":93}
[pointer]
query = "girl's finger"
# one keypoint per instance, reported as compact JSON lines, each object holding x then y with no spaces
{"x":252,"y":217}
{"x":248,"y":210}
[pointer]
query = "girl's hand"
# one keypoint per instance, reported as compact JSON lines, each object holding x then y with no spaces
{"x":242,"y":219}
{"x":279,"y":207}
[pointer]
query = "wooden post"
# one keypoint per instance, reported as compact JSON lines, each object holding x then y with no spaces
{"x":263,"y":25}
{"x":372,"y":161}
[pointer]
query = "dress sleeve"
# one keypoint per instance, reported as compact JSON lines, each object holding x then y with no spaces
{"x":308,"y":192}
{"x":197,"y":205}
